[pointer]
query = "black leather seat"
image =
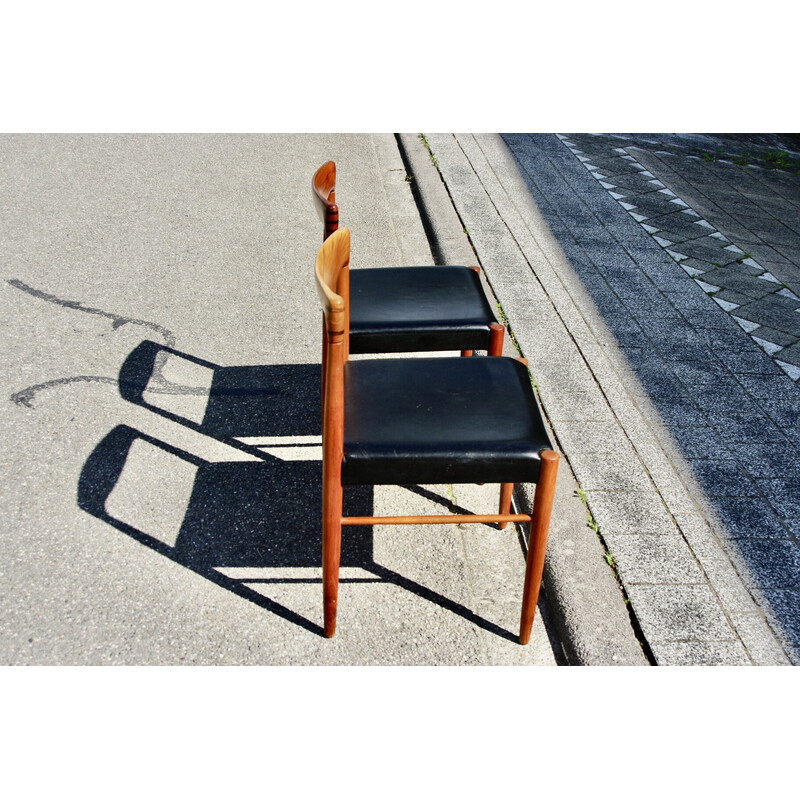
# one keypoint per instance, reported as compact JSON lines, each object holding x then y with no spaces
{"x":434,"y":420}
{"x":406,"y":309}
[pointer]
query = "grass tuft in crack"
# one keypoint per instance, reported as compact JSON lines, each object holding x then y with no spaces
{"x":430,"y":152}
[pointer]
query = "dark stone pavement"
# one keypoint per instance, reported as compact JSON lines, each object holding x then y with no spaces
{"x":734,"y":418}
{"x":728,"y":209}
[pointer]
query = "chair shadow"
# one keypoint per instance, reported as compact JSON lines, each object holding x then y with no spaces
{"x":252,"y":514}
{"x":240,"y":402}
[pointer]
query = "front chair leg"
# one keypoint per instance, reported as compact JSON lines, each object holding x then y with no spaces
{"x":540,"y":523}
{"x":331,"y":550}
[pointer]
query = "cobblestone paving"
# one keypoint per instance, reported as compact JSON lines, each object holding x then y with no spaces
{"x":696,"y":393}
{"x":743,"y":248}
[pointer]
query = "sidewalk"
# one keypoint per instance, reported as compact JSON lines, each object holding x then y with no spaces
{"x":161,"y":430}
{"x":680,"y":428}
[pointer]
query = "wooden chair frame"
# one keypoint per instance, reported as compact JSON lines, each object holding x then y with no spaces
{"x":331,"y":276}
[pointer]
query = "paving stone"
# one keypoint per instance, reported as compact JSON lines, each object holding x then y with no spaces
{"x":746,"y":285}
{"x":723,"y":478}
{"x":783,"y":612}
{"x":688,"y":299}
{"x":785,"y":414}
{"x":725,"y":581}
{"x":707,"y":654}
{"x":619,"y":470}
{"x":645,"y":310}
{"x":694,"y":266}
{"x":734,"y":428}
{"x":717,"y":256}
{"x":712,"y":319}
{"x":680,"y":614}
{"x":629,"y":512}
{"x":699,"y":373}
{"x":746,"y":268}
{"x":584,"y":406}
{"x":679,"y":233}
{"x":673,"y":410}
{"x":774,"y":311}
{"x":758,"y":640}
{"x":721,"y":397}
{"x":675,"y":223}
{"x":615,"y":168}
{"x":791,"y":354}
{"x":653,"y":559}
{"x":747,"y":518}
{"x":635,"y":183}
{"x":778,"y":387}
{"x":651,"y":205}
{"x":783,"y":340}
{"x":777,"y":235}
{"x":769,"y":460}
{"x":719,"y":340}
{"x":733,"y":299}
{"x":684,"y":352}
{"x":656,"y":377}
{"x":748,"y":362}
{"x":783,"y":494}
{"x":699,"y":442}
{"x":768,"y":563}
{"x":596,"y":437}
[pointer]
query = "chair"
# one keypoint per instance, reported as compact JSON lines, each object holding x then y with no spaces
{"x":411,"y":309}
{"x":402,"y":421}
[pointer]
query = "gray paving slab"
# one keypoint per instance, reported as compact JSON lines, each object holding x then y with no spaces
{"x":503,"y":190}
{"x":161,"y":465}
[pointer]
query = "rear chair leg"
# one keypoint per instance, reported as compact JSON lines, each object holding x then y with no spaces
{"x":496,"y":339}
{"x":540,"y":523}
{"x":506,"y":489}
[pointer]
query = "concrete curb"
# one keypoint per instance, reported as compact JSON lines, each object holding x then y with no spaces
{"x":585,"y":602}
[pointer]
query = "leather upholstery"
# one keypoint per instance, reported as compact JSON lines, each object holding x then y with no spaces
{"x":406,"y":309}
{"x":440,"y":420}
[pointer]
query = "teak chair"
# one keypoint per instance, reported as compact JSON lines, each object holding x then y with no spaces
{"x":411,"y":309}
{"x":402,"y":421}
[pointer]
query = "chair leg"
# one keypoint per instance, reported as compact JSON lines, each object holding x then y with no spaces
{"x":324,"y":375}
{"x":496,"y":339}
{"x":331,"y":548}
{"x":506,"y":489}
{"x":540,"y":523}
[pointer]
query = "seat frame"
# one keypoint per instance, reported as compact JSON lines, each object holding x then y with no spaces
{"x":331,"y":276}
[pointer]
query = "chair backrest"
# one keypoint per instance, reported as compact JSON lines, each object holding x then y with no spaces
{"x":324,"y":185}
{"x":333,"y":259}
{"x":333,"y":289}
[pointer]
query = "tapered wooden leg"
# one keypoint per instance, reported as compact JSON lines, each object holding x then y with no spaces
{"x":496,"y":339}
{"x":506,"y":490}
{"x":324,"y":376}
{"x":540,"y":523}
{"x":331,"y":549}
